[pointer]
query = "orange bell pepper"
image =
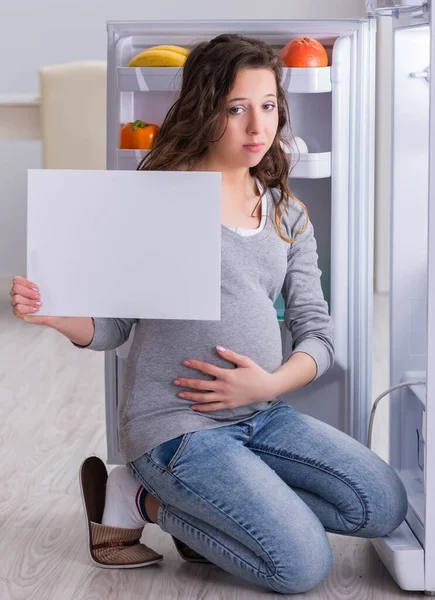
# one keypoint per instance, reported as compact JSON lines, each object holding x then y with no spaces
{"x":138,"y":135}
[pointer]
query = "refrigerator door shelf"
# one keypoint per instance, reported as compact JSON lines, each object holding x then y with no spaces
{"x":149,"y":79}
{"x":155,"y":79}
{"x":315,"y":165}
{"x":418,"y":390}
{"x":313,"y":80}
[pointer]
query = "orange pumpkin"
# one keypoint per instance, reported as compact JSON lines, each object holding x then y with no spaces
{"x":138,"y":135}
{"x":304,"y":52}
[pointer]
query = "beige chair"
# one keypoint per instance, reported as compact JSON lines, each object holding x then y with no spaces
{"x":73,"y":114}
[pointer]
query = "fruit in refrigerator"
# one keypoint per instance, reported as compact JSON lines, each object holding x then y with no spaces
{"x":138,"y":135}
{"x":304,"y":52}
{"x":160,"y":56}
{"x":173,"y":48}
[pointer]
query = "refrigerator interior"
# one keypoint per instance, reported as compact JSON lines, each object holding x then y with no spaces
{"x":335,"y":182}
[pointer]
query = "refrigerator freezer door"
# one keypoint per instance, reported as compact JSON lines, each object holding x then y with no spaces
{"x":411,"y":349}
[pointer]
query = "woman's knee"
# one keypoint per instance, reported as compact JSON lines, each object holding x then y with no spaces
{"x":307,"y":565}
{"x":387,"y":504}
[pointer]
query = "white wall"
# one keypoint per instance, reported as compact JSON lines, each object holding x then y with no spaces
{"x":48,"y":32}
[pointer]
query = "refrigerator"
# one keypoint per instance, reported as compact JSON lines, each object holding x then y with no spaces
{"x":333,"y":110}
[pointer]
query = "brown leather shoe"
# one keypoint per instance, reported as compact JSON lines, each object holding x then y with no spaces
{"x":109,"y":547}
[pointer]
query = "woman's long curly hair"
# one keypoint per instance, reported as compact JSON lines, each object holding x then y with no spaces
{"x":209,"y":74}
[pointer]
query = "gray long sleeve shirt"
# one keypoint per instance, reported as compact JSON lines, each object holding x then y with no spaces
{"x":254,"y":270}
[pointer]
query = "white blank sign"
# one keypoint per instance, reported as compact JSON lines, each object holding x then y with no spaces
{"x":128,"y":244}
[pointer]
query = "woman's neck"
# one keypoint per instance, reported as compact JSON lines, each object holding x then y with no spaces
{"x":238,"y":185}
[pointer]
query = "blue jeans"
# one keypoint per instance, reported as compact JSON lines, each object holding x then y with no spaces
{"x":256,"y":498}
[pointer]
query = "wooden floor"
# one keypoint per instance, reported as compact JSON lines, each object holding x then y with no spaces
{"x":51,"y":418}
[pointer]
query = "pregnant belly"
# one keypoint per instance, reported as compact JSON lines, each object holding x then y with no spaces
{"x":160,"y":347}
{"x":167,"y":343}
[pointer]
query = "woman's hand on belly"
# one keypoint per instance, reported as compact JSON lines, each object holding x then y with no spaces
{"x":248,"y":383}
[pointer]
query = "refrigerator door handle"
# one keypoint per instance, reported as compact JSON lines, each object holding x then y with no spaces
{"x":422,"y":74}
{"x":396,"y":8}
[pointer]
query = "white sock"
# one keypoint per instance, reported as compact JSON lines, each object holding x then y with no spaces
{"x":124,"y":500}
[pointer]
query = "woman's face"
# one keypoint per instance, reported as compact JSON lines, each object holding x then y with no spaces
{"x":250,"y":117}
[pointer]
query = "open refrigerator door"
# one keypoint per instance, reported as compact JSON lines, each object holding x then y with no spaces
{"x":332,"y":110}
{"x":408,"y":551}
